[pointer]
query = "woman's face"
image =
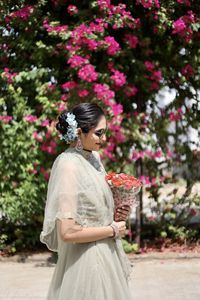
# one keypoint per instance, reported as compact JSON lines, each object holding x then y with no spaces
{"x":95,"y":137}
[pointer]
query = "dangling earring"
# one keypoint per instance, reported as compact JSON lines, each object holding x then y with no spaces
{"x":79,"y":146}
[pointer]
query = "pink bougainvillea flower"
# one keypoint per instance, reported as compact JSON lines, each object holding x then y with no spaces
{"x":83,"y":93}
{"x":175,"y":116}
{"x":6,"y":119}
{"x":158,"y":154}
{"x":51,"y":87}
{"x":69,"y":85}
{"x":130,"y":90}
{"x":91,"y":44}
{"x":119,"y":78}
{"x":61,"y":106}
{"x":77,"y":61}
{"x":179,"y":25}
{"x":185,"y":2}
{"x":103,"y":92}
{"x":104,"y":4}
{"x":187,"y":71}
{"x":37,"y":136}
{"x":117,"y":109}
{"x":50,"y":28}
{"x":45,"y":173}
{"x":169,"y":153}
{"x":149,"y":65}
{"x":9,"y":75}
{"x":98,"y":25}
{"x":156,"y":75}
{"x":113,"y":46}
{"x":132,"y":40}
{"x":49,"y":147}
{"x":120,"y":137}
{"x":154,"y":86}
{"x":149,"y":3}
{"x":45,"y":123}
{"x":22,"y":13}
{"x":64,"y":98}
{"x":72,"y":10}
{"x":30,"y":118}
{"x":88,"y":73}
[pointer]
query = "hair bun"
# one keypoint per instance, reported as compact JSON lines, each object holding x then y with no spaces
{"x":62,"y":125}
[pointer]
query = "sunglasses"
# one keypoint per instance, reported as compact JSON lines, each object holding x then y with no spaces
{"x":100,"y":132}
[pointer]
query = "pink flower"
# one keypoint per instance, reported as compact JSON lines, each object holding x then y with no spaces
{"x":72,"y":10}
{"x":88,"y":73}
{"x":51,"y":28}
{"x":45,"y":173}
{"x":130,"y":90}
{"x":64,"y":97}
{"x":9,"y":75}
{"x":154,"y":86}
{"x":145,"y":180}
{"x":83,"y":93}
{"x":69,"y":85}
{"x":30,"y":118}
{"x":103,"y":4}
{"x":91,"y":44}
{"x":175,"y":116}
{"x":117,"y":109}
{"x":179,"y":110}
{"x":77,"y":61}
{"x":149,"y":65}
{"x":132,"y":40}
{"x":187,"y":71}
{"x":108,"y":151}
{"x":119,"y":78}
{"x":186,"y":2}
{"x":179,"y":25}
{"x":120,"y":137}
{"x":49,"y":147}
{"x":45,"y":123}
{"x":158,"y":154}
{"x":148,"y":3}
{"x":156,"y":75}
{"x":22,"y":13}
{"x":51,"y":87}
{"x":113,"y":46}
{"x":61,"y":106}
{"x":103,"y":92}
{"x":6,"y":119}
{"x":99,"y":27}
{"x":169,"y":153}
{"x":37,"y":136}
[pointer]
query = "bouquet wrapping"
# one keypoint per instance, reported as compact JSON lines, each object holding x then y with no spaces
{"x":124,"y":188}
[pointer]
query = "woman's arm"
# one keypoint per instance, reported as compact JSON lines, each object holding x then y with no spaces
{"x":71,"y":232}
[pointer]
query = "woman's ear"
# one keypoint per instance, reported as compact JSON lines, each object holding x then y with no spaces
{"x":79,"y":131}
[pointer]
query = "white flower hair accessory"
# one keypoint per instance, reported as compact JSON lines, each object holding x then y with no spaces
{"x":72,"y":133}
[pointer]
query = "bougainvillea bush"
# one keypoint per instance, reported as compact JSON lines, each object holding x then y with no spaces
{"x":122,"y":55}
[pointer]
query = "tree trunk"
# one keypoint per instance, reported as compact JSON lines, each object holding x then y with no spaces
{"x":139,"y":209}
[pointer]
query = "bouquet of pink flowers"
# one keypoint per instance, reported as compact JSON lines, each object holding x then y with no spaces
{"x":124,"y":188}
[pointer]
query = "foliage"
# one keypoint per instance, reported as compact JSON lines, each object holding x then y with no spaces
{"x":121,"y":55}
{"x":129,"y":247}
{"x":172,"y":216}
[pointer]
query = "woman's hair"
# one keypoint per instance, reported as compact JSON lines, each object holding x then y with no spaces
{"x":87,"y":116}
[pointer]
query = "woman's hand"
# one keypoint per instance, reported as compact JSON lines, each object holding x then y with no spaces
{"x":122,"y":213}
{"x":121,"y":228}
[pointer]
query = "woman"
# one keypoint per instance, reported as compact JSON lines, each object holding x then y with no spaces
{"x":79,"y":212}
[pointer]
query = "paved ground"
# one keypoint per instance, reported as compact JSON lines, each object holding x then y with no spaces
{"x":152,"y":278}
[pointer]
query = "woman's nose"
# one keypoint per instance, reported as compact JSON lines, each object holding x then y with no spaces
{"x":103,"y":138}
